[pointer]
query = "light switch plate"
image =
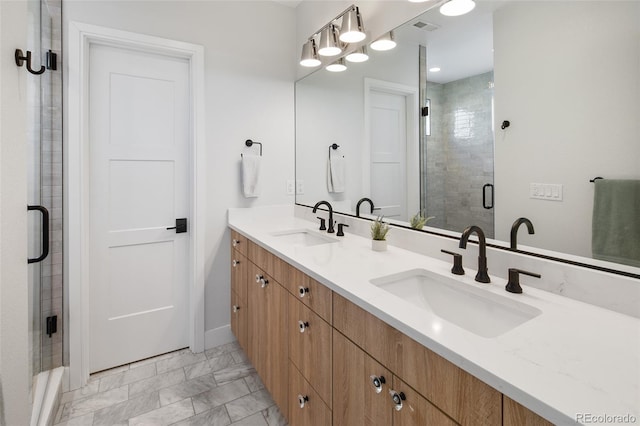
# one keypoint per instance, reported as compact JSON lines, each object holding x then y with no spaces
{"x":546,"y":191}
{"x":300,"y":186}
{"x":291,"y":187}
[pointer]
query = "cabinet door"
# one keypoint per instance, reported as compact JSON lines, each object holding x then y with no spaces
{"x":310,"y":347}
{"x":239,"y":267}
{"x":239,"y":319}
{"x":517,"y":415}
{"x":356,"y":400}
{"x":268,"y":344}
{"x":412,"y":409}
{"x":306,"y":408}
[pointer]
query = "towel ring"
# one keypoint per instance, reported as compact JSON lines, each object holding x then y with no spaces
{"x":249,"y":143}
{"x":334,"y":146}
{"x":595,"y":179}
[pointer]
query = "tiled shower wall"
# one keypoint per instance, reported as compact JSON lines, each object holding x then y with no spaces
{"x":51,"y":183}
{"x":459,"y":153}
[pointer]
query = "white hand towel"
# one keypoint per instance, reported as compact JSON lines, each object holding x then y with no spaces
{"x":251,"y":175}
{"x":329,"y":182}
{"x":337,"y":173}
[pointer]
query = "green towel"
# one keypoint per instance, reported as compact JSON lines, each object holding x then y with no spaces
{"x":616,"y":221}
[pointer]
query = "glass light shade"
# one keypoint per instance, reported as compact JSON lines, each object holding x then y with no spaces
{"x":351,"y":30}
{"x":358,"y":55}
{"x":385,"y":42}
{"x":457,"y":7}
{"x":309,"y":56}
{"x":337,"y":66}
{"x":329,"y":45}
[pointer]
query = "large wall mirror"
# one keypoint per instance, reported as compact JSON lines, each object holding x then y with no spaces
{"x":564,"y":74}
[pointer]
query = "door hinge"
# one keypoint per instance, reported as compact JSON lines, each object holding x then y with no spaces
{"x":52,"y":325}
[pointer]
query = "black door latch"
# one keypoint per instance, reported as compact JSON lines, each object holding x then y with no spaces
{"x":181,"y":225}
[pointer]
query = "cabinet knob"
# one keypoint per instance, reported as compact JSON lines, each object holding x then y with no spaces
{"x":259,"y":277}
{"x":235,"y":263}
{"x":303,"y":326}
{"x":302,"y":291}
{"x":264,"y":282}
{"x":236,"y":308}
{"x":397,"y":399}
{"x":377,"y":382}
{"x":302,"y":400}
{"x":235,"y":242}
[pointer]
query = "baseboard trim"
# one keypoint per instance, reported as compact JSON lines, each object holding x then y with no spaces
{"x":218,"y":336}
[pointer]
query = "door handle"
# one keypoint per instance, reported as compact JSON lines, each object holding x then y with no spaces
{"x":484,"y":196}
{"x":181,"y":225}
{"x":45,"y":233}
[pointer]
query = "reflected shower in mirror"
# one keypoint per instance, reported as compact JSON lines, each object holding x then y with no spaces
{"x":564,"y":74}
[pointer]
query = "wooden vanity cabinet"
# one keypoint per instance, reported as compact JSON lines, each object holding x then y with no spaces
{"x":514,"y":414}
{"x":310,"y":292}
{"x":267,"y":330}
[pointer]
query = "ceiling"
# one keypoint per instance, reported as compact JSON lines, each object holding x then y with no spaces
{"x":460,"y":46}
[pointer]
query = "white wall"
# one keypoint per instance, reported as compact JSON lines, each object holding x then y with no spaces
{"x":589,"y":124}
{"x":250,"y":69}
{"x":14,"y":318}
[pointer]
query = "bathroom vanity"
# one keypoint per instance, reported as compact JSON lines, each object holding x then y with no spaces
{"x":334,"y":343}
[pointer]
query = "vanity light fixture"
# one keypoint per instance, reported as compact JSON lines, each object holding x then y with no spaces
{"x":337,"y":66}
{"x":457,"y":7}
{"x":384,"y":42}
{"x":358,"y":55}
{"x":333,"y":38}
{"x":352,"y":30}
{"x":309,"y":56}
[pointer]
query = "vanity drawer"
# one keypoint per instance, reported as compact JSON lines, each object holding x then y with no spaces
{"x":268,"y":262}
{"x":310,"y":292}
{"x":310,"y":347}
{"x":239,"y":242}
{"x":305,"y":405}
{"x":239,"y":320}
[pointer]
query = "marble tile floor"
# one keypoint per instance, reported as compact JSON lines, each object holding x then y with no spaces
{"x":218,"y":387}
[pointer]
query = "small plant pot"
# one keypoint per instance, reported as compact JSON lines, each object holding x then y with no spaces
{"x":379,"y":245}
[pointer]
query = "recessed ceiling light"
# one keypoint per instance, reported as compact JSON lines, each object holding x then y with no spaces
{"x":457,"y":7}
{"x":434,"y":69}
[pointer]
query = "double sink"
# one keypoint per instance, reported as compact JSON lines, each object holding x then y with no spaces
{"x":474,"y":309}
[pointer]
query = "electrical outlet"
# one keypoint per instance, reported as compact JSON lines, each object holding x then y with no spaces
{"x":291,"y":187}
{"x":299,"y":187}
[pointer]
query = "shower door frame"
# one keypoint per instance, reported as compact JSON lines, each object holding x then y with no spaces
{"x":81,"y":37}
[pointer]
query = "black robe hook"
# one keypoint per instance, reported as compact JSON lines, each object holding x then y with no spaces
{"x":21,"y":58}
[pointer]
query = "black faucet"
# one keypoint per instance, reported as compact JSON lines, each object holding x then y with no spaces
{"x":513,"y":285}
{"x":362,"y":200}
{"x":326,"y":203}
{"x":483,"y":274}
{"x":514,"y":230}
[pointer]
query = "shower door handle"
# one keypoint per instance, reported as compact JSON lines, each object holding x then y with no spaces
{"x":45,"y":233}
{"x":484,"y":196}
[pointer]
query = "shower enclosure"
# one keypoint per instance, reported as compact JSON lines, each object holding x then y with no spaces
{"x":44,"y":136}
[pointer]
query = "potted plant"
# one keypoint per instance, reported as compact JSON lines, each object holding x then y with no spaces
{"x":379,"y":231}
{"x":418,"y":221}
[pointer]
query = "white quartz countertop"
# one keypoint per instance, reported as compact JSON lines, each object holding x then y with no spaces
{"x":570,"y":364}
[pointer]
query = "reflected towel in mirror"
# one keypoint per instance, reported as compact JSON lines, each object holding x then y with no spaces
{"x":335,"y":173}
{"x":616,"y":221}
{"x":251,"y":175}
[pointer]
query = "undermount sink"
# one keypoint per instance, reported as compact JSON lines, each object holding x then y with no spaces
{"x":474,"y":309}
{"x":303,"y":237}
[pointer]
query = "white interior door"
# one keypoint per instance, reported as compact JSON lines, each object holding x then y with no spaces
{"x":139,"y":145}
{"x":388,"y":147}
